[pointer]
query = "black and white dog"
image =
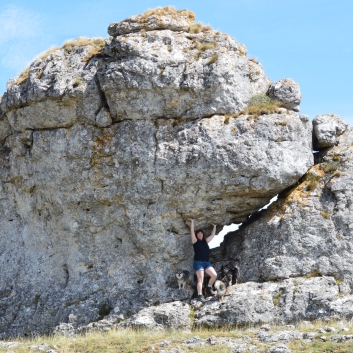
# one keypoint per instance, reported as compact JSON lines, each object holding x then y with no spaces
{"x":229,"y":275}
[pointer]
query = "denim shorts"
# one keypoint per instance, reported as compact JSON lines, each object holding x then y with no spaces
{"x":201,"y":265}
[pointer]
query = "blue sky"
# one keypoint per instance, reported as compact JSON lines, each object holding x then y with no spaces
{"x":307,"y":40}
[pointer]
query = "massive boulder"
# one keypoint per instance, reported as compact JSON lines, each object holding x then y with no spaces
{"x":308,"y":231}
{"x":104,"y":157}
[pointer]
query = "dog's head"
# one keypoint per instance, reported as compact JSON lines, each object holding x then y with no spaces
{"x":179,"y":274}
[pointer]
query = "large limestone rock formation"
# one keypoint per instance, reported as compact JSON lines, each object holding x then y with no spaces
{"x":104,"y":155}
{"x":308,"y":231}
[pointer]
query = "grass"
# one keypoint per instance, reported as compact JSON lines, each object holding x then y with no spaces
{"x":202,"y":47}
{"x":315,"y":273}
{"x":96,"y":44}
{"x":331,"y":166}
{"x":213,"y":59}
{"x":313,"y":183}
{"x":325,"y":214}
{"x":259,"y":104}
{"x":198,"y":28}
{"x":133,"y":341}
{"x":277,"y":297}
{"x":167,"y":11}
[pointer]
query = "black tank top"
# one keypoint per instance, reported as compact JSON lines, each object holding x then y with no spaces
{"x":201,"y":251}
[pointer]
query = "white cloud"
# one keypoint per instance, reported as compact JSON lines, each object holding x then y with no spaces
{"x":21,"y":34}
{"x":19,"y":24}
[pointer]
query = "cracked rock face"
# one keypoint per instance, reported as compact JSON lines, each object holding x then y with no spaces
{"x":102,"y":161}
{"x":308,"y":231}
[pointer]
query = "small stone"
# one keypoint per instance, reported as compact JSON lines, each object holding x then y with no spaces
{"x":212,"y":340}
{"x":266,"y":327}
{"x":103,"y":118}
{"x":326,"y":129}
{"x":287,"y":92}
{"x":280,"y":348}
{"x":329,"y":329}
{"x":321,"y":330}
{"x":323,"y":338}
{"x":164,"y":343}
{"x":346,"y":329}
{"x":305,"y":341}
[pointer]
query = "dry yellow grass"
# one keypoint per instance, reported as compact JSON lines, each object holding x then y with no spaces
{"x":202,"y":47}
{"x":97,"y":44}
{"x":213,"y":59}
{"x":165,"y":11}
{"x":198,"y":28}
{"x":134,"y":341}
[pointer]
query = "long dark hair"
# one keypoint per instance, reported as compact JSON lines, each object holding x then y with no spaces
{"x":203,"y":235}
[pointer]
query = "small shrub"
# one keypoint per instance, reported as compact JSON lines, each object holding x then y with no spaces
{"x":336,"y":173}
{"x":77,"y":82}
{"x":198,"y":28}
{"x":312,"y":182}
{"x":336,"y":157}
{"x":104,"y":310}
{"x":277,"y":298}
{"x":226,"y":119}
{"x":331,"y":166}
{"x":325,"y":214}
{"x":213,"y":59}
{"x":259,"y":99}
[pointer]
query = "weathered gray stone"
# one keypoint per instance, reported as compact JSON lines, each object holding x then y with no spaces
{"x":280,"y":348}
{"x":174,"y":315}
{"x":61,"y":90}
{"x":103,"y":118}
{"x":326,"y":129}
{"x":287,"y":92}
{"x":5,"y":130}
{"x":287,"y":301}
{"x":308,"y":231}
{"x":166,"y":74}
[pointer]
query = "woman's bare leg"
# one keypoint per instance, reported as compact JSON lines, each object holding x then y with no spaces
{"x":199,"y":275}
{"x":213,"y":274}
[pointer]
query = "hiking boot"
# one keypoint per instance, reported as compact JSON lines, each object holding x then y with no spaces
{"x":209,"y":291}
{"x":201,"y":298}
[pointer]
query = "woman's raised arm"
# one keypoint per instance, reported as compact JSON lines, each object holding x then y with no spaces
{"x":192,"y":231}
{"x":213,"y":233}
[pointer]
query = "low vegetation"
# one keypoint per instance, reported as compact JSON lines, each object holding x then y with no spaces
{"x":259,"y":104}
{"x":198,"y":28}
{"x":202,"y":47}
{"x":96,"y":45}
{"x":325,"y":214}
{"x":213,"y":59}
{"x":135,"y":341}
{"x":165,"y":11}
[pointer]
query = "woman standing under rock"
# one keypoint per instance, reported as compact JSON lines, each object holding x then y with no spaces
{"x":201,"y":258}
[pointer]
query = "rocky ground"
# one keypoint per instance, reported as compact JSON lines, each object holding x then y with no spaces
{"x":320,"y":336}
